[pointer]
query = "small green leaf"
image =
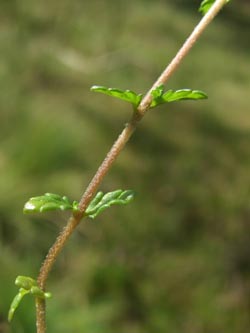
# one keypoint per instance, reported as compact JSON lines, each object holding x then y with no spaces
{"x":159,"y":97}
{"x":126,"y":95}
{"x":27,"y":286}
{"x":25,"y":282}
{"x":47,"y":202}
{"x":16,"y":301}
{"x":37,"y":292}
{"x":103,"y":201}
{"x":206,"y":5}
{"x":158,"y":92}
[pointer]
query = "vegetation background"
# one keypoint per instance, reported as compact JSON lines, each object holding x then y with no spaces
{"x":178,"y":258}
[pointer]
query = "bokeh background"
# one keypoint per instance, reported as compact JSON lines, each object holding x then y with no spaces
{"x":178,"y":258}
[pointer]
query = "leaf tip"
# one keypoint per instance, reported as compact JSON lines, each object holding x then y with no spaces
{"x":95,"y":87}
{"x":28,"y":207}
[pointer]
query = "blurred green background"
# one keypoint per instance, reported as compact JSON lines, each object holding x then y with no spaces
{"x":178,"y":258}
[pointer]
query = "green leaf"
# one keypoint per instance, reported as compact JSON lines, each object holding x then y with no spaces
{"x":161,"y":97}
{"x":37,"y":292}
{"x":47,"y":202}
{"x":206,"y":5}
{"x":103,"y":201}
{"x":30,"y":285}
{"x":27,"y":286}
{"x":25,"y":282}
{"x":157,"y":92}
{"x":16,"y":301}
{"x":126,"y":95}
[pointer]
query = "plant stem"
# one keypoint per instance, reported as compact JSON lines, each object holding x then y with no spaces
{"x":111,"y":157}
{"x":40,"y":315}
{"x":183,"y":51}
{"x":76,"y":218}
{"x":108,"y":161}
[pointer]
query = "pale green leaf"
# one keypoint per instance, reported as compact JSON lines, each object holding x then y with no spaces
{"x":16,"y":301}
{"x":27,"y":286}
{"x":25,"y":282}
{"x":47,"y":202}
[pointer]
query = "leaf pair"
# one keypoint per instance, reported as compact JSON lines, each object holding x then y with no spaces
{"x":158,"y":95}
{"x":27,"y":286}
{"x":50,"y":201}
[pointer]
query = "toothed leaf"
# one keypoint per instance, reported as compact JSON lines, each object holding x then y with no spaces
{"x":47,"y":202}
{"x":126,"y":95}
{"x":161,"y":97}
{"x":103,"y":201}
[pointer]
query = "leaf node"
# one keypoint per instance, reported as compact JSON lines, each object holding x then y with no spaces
{"x":27,"y":286}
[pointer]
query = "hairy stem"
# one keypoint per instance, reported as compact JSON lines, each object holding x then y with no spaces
{"x":46,"y":267}
{"x":40,"y":315}
{"x":111,"y":157}
{"x":107,"y":162}
{"x":76,"y":218}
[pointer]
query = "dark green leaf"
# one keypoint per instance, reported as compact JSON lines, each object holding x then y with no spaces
{"x":159,"y":97}
{"x":47,"y":202}
{"x":206,"y":5}
{"x":126,"y":95}
{"x":103,"y":201}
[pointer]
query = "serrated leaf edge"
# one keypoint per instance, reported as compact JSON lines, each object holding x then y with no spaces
{"x":57,"y":202}
{"x":100,"y":203}
{"x":172,"y":96}
{"x":124,"y":94}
